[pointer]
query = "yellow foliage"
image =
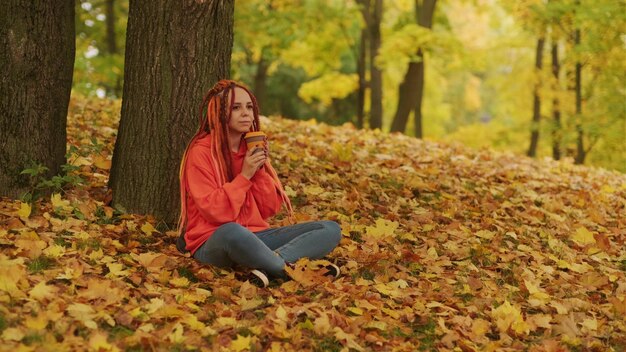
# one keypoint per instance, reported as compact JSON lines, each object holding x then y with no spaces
{"x":333,"y":85}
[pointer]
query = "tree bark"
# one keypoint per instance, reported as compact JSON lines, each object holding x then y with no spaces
{"x":534,"y":134}
{"x":37,"y":47}
{"x":376,"y":75}
{"x":556,"y":111}
{"x":174,"y":54}
{"x":581,"y":153}
{"x":411,"y":89}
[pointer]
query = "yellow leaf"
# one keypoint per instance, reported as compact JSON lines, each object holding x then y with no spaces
{"x":180,"y":282}
{"x":116,"y":269}
{"x":98,"y":342}
{"x":375,"y":324}
{"x":583,"y":237}
{"x":12,"y":334}
{"x":313,"y":190}
{"x":590,"y":324}
{"x":102,"y":162}
{"x":54,"y":251}
{"x":241,"y":343}
{"x":59,"y":203}
{"x":392,"y":313}
{"x":350,"y":340}
{"x":432,"y":253}
{"x":507,"y":316}
{"x":148,"y":229}
{"x":154,"y":305}
{"x":485,"y":234}
{"x":290,"y":192}
{"x":536,"y":292}
{"x":321,"y":324}
{"x":480,"y":327}
{"x":176,"y":336}
{"x":83,"y":313}
{"x":77,"y":160}
{"x":24,"y":211}
{"x":355,"y":310}
{"x":281,"y":313}
{"x":384,"y":228}
{"x":42,"y":291}
{"x":38,"y":322}
{"x":249,"y":304}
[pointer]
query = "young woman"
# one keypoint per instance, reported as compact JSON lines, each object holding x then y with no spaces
{"x":227,"y":192}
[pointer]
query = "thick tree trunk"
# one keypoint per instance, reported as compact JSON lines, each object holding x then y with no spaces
{"x":360,"y":107}
{"x":411,"y":89}
{"x":556,"y":111}
{"x":376,"y":75}
{"x":37,"y":47}
{"x":174,"y":54}
{"x":534,"y":134}
{"x":581,"y":153}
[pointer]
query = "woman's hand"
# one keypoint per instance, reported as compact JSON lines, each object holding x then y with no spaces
{"x":253,"y":161}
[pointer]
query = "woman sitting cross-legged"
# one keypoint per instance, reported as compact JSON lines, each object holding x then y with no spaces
{"x":228,"y":191}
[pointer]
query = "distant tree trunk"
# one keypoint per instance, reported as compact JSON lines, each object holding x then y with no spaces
{"x":581,"y":153}
{"x":110,"y":25}
{"x":376,"y":75}
{"x":111,"y":40}
{"x":260,"y":81}
{"x":360,"y":107}
{"x":174,"y":54}
{"x":411,"y":89}
{"x":534,"y":134}
{"x":556,"y":112}
{"x":37,"y":47}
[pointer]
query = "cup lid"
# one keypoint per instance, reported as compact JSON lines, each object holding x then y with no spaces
{"x":254,"y":134}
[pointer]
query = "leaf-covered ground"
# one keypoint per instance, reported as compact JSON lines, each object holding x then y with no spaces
{"x":443,"y":248}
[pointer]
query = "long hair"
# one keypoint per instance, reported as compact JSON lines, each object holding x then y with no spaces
{"x":214,"y":116}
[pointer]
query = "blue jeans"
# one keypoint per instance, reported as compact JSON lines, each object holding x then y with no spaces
{"x":232,"y":244}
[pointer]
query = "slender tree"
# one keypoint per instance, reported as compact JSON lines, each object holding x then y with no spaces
{"x":110,"y":27}
{"x":376,"y":74}
{"x":411,"y":89}
{"x":581,"y":153}
{"x":556,"y":111}
{"x":37,"y":46}
{"x":174,"y":54}
{"x":534,"y":134}
{"x":361,"y":61}
{"x":372,"y":12}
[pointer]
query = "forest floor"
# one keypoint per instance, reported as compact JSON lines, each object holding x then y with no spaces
{"x":444,"y":248}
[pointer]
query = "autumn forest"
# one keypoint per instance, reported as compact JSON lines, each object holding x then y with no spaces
{"x":472,"y":151}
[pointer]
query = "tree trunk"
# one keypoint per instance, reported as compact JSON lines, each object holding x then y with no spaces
{"x":110,"y":25}
{"x":534,"y":134}
{"x":37,"y":47}
{"x":556,"y":112}
{"x":360,"y":107}
{"x":260,"y":81}
{"x":376,"y":75}
{"x":411,"y":89}
{"x":174,"y":54}
{"x":581,"y":154}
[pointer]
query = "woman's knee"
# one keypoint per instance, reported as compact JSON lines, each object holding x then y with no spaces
{"x":332,"y":231}
{"x":231,"y":232}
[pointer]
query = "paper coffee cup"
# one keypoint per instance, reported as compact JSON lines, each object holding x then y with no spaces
{"x":255,"y":139}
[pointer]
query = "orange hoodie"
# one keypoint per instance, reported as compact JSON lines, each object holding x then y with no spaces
{"x":209,"y":205}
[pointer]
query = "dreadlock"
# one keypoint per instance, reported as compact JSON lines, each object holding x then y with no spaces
{"x":214,"y":116}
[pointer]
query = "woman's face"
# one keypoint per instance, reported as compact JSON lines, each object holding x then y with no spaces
{"x":242,"y":115}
